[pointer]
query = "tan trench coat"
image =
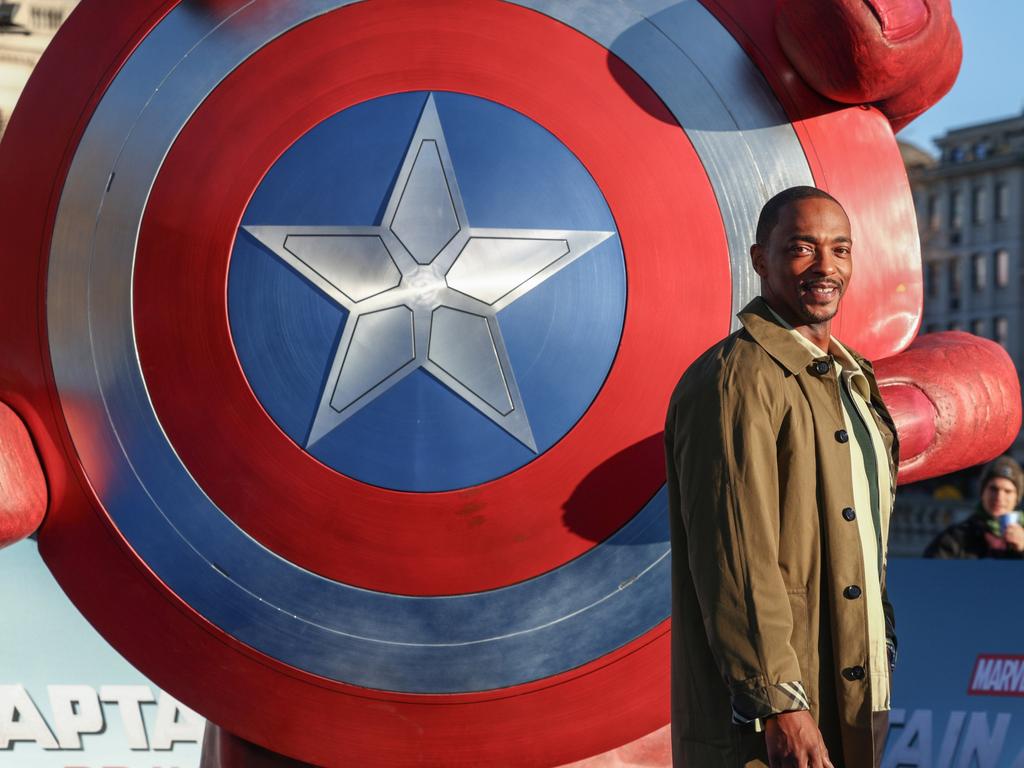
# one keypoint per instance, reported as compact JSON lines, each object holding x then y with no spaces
{"x":758,"y":485}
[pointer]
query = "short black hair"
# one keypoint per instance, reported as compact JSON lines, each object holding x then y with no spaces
{"x":770,"y":212}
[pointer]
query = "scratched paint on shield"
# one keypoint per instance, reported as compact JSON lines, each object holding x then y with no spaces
{"x":331,"y":313}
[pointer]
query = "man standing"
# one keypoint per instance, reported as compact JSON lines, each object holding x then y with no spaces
{"x":781,"y":469}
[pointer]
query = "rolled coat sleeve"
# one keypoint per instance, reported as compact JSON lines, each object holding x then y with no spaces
{"x":726,"y":464}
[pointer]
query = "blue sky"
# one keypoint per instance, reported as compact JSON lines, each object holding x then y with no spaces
{"x":991,"y":82}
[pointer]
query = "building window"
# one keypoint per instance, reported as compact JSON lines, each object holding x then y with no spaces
{"x":932,"y":276}
{"x":47,"y":18}
{"x":1002,"y":328}
{"x":979,"y":271}
{"x":978,"y":205}
{"x":955,"y":326}
{"x":1002,"y":201}
{"x":953,"y":284}
{"x":956,"y":213}
{"x":1002,"y":268}
{"x":933,"y":212}
{"x":978,"y":327}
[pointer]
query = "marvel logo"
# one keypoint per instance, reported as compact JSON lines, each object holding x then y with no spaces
{"x":997,"y":675}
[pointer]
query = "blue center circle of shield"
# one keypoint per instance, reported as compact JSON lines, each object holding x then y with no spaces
{"x":428,"y":291}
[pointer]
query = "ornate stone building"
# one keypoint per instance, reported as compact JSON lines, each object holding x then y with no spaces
{"x":970,"y":207}
{"x":25,"y":30}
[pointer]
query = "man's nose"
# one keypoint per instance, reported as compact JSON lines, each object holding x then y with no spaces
{"x":825,"y":263}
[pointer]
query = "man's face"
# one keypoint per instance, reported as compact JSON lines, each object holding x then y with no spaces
{"x":807,"y":262}
{"x":999,"y":496}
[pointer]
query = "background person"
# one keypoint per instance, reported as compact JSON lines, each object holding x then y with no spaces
{"x":994,"y":530}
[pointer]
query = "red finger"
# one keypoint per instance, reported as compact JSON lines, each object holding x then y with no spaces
{"x":902,"y":55}
{"x":955,"y":399}
{"x":24,"y":497}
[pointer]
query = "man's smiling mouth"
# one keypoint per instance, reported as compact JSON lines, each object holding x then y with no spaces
{"x":825,"y":290}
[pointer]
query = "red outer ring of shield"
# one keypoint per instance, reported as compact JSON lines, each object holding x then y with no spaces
{"x":555,"y":508}
{"x":297,"y":713}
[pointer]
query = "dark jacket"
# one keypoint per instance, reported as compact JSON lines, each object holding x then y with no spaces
{"x":966,"y":540}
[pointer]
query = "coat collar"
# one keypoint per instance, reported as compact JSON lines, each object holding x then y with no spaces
{"x":763,"y":326}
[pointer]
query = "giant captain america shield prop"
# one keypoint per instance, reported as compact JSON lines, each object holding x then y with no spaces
{"x":363,"y":318}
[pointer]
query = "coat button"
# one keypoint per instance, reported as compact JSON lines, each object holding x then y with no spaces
{"x":821,"y":367}
{"x":841,"y":436}
{"x":852,"y":592}
{"x":854,"y":673}
{"x":849,"y":515}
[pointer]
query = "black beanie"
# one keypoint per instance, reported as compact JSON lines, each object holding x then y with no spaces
{"x":1006,"y":467}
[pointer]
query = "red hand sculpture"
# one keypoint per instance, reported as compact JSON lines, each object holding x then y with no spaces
{"x":900,"y":55}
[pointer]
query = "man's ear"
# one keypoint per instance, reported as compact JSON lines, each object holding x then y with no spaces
{"x":757,"y":256}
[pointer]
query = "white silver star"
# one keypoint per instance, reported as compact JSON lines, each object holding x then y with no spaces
{"x":423,"y":290}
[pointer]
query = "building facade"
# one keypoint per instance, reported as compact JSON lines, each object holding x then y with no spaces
{"x":25,"y":30}
{"x":970,"y":208}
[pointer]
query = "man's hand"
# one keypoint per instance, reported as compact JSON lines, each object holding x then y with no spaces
{"x":1015,"y":537}
{"x":794,"y":741}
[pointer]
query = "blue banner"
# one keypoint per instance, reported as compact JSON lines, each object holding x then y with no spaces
{"x":67,"y":699}
{"x":958,"y":692}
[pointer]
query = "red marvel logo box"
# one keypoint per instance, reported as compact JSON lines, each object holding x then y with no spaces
{"x":997,"y":674}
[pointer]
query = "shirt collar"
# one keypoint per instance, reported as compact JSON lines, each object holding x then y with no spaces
{"x":851,"y":368}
